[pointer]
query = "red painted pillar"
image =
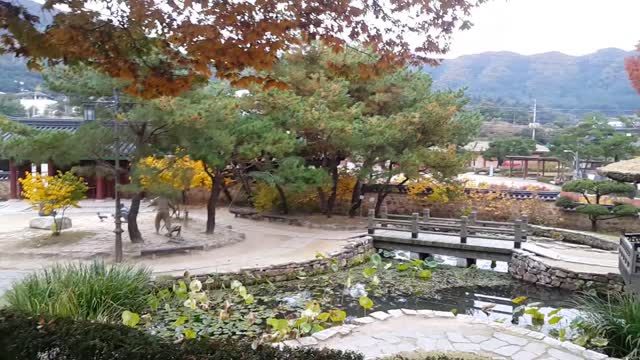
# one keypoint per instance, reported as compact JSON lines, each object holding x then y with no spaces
{"x":13,"y":180}
{"x":99,"y":187}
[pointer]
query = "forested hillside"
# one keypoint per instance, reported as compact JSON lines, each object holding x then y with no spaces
{"x":596,"y":81}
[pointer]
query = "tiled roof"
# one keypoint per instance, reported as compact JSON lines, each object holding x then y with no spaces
{"x":69,"y":125}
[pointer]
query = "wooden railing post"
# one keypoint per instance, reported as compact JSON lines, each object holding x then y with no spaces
{"x":635,"y":257}
{"x":426,"y":214}
{"x":517,"y":233}
{"x":525,"y":227}
{"x":464,"y":221}
{"x":414,"y":225}
{"x":370,"y":221}
{"x":384,"y":215}
{"x":473,"y":217}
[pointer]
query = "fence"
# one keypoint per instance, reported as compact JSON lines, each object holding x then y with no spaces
{"x":465,"y":227}
{"x":629,"y":260}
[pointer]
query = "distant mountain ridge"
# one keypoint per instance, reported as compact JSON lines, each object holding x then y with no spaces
{"x":593,"y":81}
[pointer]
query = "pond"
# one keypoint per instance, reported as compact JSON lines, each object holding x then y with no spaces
{"x":484,"y":294}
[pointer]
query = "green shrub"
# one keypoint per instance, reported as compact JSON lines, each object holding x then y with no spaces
{"x":24,"y":338}
{"x":616,"y":318}
{"x":81,"y":291}
{"x":566,"y":203}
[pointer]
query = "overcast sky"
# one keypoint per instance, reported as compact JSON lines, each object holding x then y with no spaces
{"x":574,"y":27}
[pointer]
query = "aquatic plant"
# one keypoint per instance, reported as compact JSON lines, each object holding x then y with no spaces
{"x":616,"y":318}
{"x":311,"y":320}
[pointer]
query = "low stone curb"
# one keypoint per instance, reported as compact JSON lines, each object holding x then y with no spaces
{"x":316,"y":339}
{"x":355,"y":252}
{"x":528,"y":267}
{"x":574,"y":237}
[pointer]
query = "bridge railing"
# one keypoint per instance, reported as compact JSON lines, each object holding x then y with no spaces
{"x":629,"y":259}
{"x":464,"y":227}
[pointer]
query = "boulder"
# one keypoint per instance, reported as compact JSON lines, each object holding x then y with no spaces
{"x":46,"y":223}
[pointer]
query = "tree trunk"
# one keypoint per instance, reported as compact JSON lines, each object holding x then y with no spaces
{"x":132,"y":219}
{"x":594,"y":224}
{"x":244,"y":183}
{"x":217,"y":181}
{"x":283,"y":199}
{"x":227,"y":194}
{"x":356,"y":202}
{"x":382,"y":194}
{"x":323,"y":200}
{"x":335,"y":176}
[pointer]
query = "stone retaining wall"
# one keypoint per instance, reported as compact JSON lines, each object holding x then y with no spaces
{"x":574,"y":237}
{"x":530,"y":268}
{"x":352,"y":254}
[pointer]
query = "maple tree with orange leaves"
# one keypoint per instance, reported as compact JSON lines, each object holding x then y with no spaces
{"x":164,"y":48}
{"x":632,"y":65}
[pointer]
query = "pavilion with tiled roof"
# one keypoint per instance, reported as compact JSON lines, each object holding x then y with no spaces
{"x":99,"y":186}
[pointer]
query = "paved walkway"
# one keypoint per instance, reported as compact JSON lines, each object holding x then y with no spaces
{"x":265,"y":243}
{"x":403,"y":331}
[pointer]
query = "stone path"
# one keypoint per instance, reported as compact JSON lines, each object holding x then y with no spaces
{"x":400,"y":331}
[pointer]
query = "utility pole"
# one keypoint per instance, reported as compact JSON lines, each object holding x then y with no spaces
{"x":118,"y":230}
{"x":533,"y":127}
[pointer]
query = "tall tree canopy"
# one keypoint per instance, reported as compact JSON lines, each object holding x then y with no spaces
{"x":386,"y":123}
{"x":594,"y":139}
{"x":166,"y":47}
{"x":502,"y":148}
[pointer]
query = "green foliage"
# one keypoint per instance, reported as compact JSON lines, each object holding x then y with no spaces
{"x":598,"y":188}
{"x":616,"y":318}
{"x":10,"y":106}
{"x":500,"y":149}
{"x":593,"y":138}
{"x":418,"y":268}
{"x":566,"y":203}
{"x":311,"y":320}
{"x":593,"y":209}
{"x":81,"y":291}
{"x":28,"y":338}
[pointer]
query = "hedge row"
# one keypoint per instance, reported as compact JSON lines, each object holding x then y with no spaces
{"x":25,"y":338}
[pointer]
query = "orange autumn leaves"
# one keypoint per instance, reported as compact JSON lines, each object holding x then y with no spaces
{"x":632,"y":65}
{"x":164,"y":48}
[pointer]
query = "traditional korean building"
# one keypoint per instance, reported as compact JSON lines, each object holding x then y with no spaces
{"x":100,"y":187}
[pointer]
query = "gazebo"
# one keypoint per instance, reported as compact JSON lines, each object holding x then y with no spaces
{"x":539,"y":160}
{"x":625,"y":170}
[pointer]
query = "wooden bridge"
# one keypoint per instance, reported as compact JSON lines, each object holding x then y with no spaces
{"x":466,"y":237}
{"x":629,"y":260}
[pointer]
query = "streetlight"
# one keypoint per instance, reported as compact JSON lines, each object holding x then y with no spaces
{"x":576,"y":160}
{"x":90,"y":115}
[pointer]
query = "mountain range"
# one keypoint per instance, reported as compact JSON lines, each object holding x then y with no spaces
{"x":596,"y":81}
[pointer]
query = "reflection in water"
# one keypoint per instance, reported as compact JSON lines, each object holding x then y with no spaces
{"x":486,"y":303}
